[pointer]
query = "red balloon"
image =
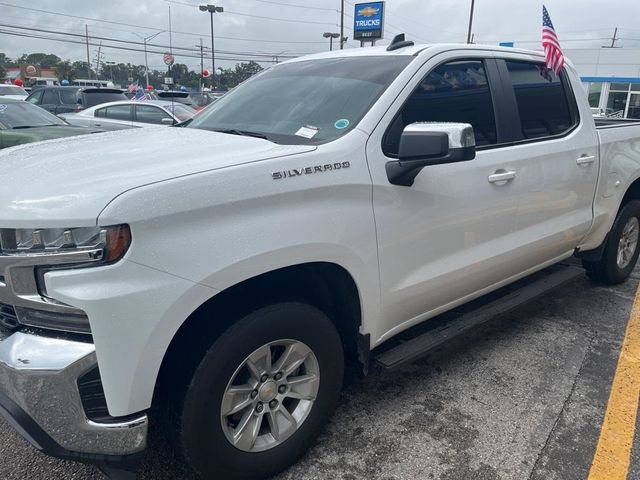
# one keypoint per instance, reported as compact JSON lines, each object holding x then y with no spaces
{"x":205,"y":73}
{"x":18,"y":82}
{"x":150,"y":88}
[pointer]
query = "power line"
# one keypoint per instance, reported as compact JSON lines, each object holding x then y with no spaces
{"x":133,"y":42}
{"x":258,"y":16}
{"x":78,"y":42}
{"x":48,"y":12}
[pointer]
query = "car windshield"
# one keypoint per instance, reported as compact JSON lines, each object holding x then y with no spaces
{"x":25,"y":115}
{"x":12,"y":90}
{"x":304,"y":102}
{"x":180,"y":111}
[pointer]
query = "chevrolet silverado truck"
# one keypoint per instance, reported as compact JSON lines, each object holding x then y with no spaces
{"x":219,"y":275}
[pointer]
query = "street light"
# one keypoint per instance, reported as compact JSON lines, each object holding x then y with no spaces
{"x":146,"y":62}
{"x":111,"y":64}
{"x":330,"y":36}
{"x":212,"y":9}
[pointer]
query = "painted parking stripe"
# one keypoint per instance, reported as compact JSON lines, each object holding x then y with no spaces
{"x":613,"y":453}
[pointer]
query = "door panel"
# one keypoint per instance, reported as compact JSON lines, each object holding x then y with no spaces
{"x":451,"y":234}
{"x":558,"y":175}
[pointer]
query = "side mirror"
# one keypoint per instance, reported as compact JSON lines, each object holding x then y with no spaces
{"x":425,"y":144}
{"x":167,"y":121}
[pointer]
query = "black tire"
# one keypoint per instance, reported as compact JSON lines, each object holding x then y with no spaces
{"x":203,"y":442}
{"x":606,"y":270}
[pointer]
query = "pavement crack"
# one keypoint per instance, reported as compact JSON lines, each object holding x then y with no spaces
{"x":564,"y":406}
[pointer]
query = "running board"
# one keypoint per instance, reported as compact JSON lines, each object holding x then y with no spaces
{"x":413,"y":348}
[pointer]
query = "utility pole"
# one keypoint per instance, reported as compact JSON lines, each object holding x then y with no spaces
{"x":98,"y":59}
{"x":86,"y":32}
{"x":614,"y":39}
{"x":470,"y":21}
{"x":201,"y":63}
{"x":341,"y":24}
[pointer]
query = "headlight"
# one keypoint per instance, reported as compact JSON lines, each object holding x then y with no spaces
{"x":107,"y":244}
{"x":26,"y":255}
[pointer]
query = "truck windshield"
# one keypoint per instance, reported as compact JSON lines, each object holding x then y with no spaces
{"x":304,"y":102}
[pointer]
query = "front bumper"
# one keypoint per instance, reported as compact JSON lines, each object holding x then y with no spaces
{"x":39,"y":397}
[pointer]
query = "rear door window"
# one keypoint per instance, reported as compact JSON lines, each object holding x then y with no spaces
{"x":542,"y":99}
{"x":118,"y":112}
{"x":50,"y":97}
{"x":69,"y":97}
{"x":91,"y":99}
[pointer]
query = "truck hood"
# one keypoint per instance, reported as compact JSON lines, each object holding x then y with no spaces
{"x":67,"y":182}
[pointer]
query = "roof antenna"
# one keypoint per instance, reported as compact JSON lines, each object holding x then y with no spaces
{"x":399,"y":42}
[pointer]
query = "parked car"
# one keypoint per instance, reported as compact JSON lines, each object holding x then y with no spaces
{"x":73,"y":99}
{"x":185,"y":98}
{"x":12,"y":91}
{"x":202,"y":100}
{"x":131,"y":114}
{"x":21,"y":122}
{"x":224,"y":271}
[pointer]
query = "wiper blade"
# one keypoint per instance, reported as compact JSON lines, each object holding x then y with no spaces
{"x":245,"y":133}
{"x":19,"y":127}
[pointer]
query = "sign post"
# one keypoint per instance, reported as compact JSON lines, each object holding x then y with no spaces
{"x":368,"y":22}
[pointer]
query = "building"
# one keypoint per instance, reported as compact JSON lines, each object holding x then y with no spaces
{"x":32,"y":75}
{"x":611,"y":77}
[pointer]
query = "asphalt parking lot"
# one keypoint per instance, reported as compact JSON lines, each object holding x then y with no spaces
{"x":521,"y":398}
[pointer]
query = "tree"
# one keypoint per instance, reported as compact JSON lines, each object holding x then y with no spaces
{"x":45,"y":60}
{"x":80,"y":69}
{"x":229,"y":78}
{"x":3,"y":73}
{"x":64,"y":70}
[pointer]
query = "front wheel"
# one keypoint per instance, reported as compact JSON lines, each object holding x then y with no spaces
{"x":621,"y":251}
{"x":262,"y":393}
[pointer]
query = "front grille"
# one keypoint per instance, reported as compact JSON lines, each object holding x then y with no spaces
{"x":8,"y":317}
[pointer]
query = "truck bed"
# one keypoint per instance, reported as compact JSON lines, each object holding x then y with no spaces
{"x":608,"y":122}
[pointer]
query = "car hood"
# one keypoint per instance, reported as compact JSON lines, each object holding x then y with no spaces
{"x":69,"y":181}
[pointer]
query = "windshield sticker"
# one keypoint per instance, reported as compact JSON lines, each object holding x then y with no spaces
{"x":342,"y":123}
{"x":307,"y":131}
{"x":3,"y":107}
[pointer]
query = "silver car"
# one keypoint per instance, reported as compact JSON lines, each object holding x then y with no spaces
{"x":131,"y":114}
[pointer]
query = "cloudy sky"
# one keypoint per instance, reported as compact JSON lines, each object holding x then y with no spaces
{"x":263,"y":29}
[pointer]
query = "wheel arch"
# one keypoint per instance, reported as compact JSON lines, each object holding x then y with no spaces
{"x":327,"y":286}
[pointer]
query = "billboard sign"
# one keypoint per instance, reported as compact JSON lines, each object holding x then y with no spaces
{"x":368,"y":21}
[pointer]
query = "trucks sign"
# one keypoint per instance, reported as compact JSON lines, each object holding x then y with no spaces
{"x":368,"y":21}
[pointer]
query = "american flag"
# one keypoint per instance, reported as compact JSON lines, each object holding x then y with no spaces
{"x":139,"y":95}
{"x":552,"y":50}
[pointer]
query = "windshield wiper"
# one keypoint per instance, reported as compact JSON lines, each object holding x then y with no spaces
{"x":18,"y":127}
{"x":245,"y":133}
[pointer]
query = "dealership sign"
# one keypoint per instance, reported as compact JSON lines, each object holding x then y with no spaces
{"x":368,"y":21}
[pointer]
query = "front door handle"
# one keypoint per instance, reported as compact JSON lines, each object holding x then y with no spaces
{"x":586,"y":159}
{"x":502,"y":176}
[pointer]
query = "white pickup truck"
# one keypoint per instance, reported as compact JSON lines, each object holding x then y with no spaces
{"x":225,"y":271}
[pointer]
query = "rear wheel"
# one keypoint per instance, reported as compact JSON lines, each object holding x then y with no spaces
{"x":621,"y":251}
{"x":262,"y":393}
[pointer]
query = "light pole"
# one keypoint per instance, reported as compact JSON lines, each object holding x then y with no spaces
{"x":330,"y":36}
{"x":212,"y":9}
{"x":146,"y":62}
{"x":111,"y":64}
{"x":470,"y":21}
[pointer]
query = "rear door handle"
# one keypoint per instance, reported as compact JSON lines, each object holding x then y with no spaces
{"x":586,"y":159}
{"x":502,"y":176}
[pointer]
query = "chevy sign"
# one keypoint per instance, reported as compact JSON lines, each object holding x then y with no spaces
{"x":368,"y":21}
